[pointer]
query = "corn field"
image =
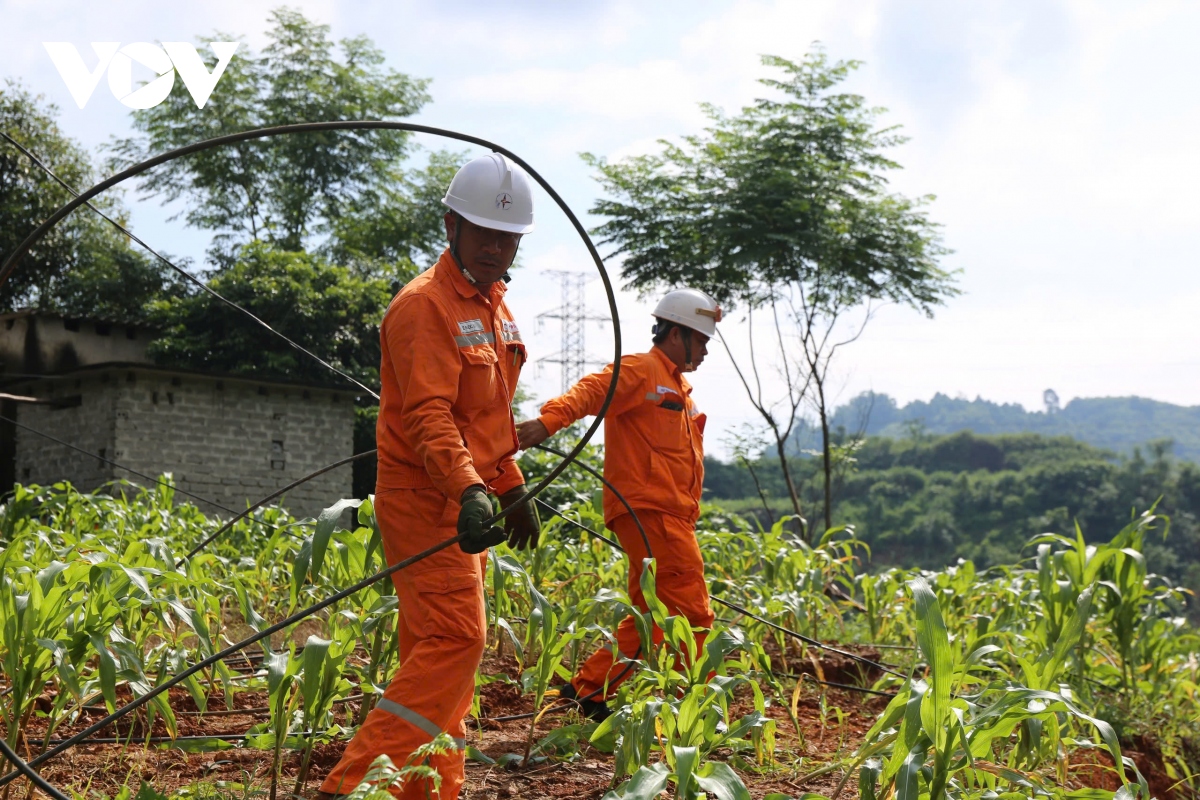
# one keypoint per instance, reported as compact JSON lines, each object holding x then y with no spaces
{"x":1071,"y":674}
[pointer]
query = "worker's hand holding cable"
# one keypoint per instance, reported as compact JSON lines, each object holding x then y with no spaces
{"x":531,"y":433}
{"x":523,"y":525}
{"x":473,"y":518}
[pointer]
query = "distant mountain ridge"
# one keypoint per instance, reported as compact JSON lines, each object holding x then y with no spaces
{"x":1114,"y":423}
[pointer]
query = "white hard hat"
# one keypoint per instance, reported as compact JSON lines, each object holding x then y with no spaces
{"x":690,"y":308}
{"x":492,"y":192}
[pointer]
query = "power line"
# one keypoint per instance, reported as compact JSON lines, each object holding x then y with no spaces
{"x":13,"y":259}
{"x":189,"y":276}
{"x":10,"y":264}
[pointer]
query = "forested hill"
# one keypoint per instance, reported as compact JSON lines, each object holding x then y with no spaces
{"x":1112,"y":423}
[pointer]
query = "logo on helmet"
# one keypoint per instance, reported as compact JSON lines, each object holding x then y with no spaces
{"x":503,"y":201}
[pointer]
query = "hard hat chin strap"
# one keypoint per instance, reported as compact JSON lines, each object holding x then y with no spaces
{"x":686,"y":333}
{"x":458,"y":221}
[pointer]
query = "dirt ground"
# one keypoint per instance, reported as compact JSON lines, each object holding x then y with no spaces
{"x":832,"y":722}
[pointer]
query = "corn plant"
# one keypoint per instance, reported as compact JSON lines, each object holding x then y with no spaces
{"x":35,"y":605}
{"x":936,"y":737}
{"x":282,"y":670}
{"x":321,"y":682}
{"x":544,"y":635}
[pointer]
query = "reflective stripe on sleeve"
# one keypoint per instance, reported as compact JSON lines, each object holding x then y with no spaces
{"x":475,"y":338}
{"x":416,"y":720}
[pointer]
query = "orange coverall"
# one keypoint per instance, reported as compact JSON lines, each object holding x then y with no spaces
{"x":654,"y":456}
{"x":451,"y":359}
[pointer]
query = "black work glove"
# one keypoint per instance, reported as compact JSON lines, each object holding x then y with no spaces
{"x":475,"y":512}
{"x":523,"y":525}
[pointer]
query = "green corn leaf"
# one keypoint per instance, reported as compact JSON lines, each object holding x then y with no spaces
{"x":207,"y":745}
{"x":1071,"y":633}
{"x":147,"y":792}
{"x":279,"y":666}
{"x":934,"y":641}
{"x":868,"y":776}
{"x":908,"y":777}
{"x":473,"y":753}
{"x":252,"y":617}
{"x":64,"y":668}
{"x":658,"y":610}
{"x":326,"y":522}
{"x":892,"y":713}
{"x":108,"y":673}
{"x":719,"y":778}
{"x":47,"y":575}
{"x":312,"y":667}
{"x":646,"y":784}
{"x":685,"y":764}
{"x":605,"y":736}
{"x":300,"y":566}
{"x":139,"y":580}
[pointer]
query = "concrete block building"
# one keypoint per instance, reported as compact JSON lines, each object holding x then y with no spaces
{"x":228,"y":439}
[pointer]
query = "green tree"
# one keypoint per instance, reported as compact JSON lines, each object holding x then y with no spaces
{"x":348,"y":198}
{"x":83,"y":267}
{"x":293,"y":190}
{"x":784,"y":207}
{"x":326,"y":308}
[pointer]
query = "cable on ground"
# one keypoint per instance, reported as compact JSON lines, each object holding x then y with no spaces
{"x":24,"y":768}
{"x":14,"y":258}
{"x":728,"y":604}
{"x":277,"y":493}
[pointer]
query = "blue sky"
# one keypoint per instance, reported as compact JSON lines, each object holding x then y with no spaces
{"x":1059,"y":138}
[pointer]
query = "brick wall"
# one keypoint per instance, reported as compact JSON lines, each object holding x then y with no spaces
{"x":225,"y":440}
{"x":85,"y":419}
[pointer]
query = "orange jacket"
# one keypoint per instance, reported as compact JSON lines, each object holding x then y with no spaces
{"x":451,"y":359}
{"x":653,"y":434}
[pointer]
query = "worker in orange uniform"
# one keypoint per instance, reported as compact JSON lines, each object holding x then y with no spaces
{"x":654,"y":456}
{"x":452,"y":354}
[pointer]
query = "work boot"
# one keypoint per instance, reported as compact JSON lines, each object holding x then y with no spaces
{"x":595,"y":710}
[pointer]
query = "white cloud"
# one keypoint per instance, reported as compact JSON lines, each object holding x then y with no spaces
{"x":1059,"y":138}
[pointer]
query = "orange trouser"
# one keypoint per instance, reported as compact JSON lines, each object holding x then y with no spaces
{"x":679,"y":583}
{"x":442,"y":626}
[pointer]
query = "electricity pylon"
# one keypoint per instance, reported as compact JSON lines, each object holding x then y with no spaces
{"x":573,"y":317}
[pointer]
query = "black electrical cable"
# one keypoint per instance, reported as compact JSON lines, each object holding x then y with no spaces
{"x":806,"y":639}
{"x":13,"y":259}
{"x":228,"y":651}
{"x":189,"y":276}
{"x":804,"y":676}
{"x":555,"y":451}
{"x":225,"y":737}
{"x":269,"y":498}
{"x":171,"y":486}
{"x":23,"y":768}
